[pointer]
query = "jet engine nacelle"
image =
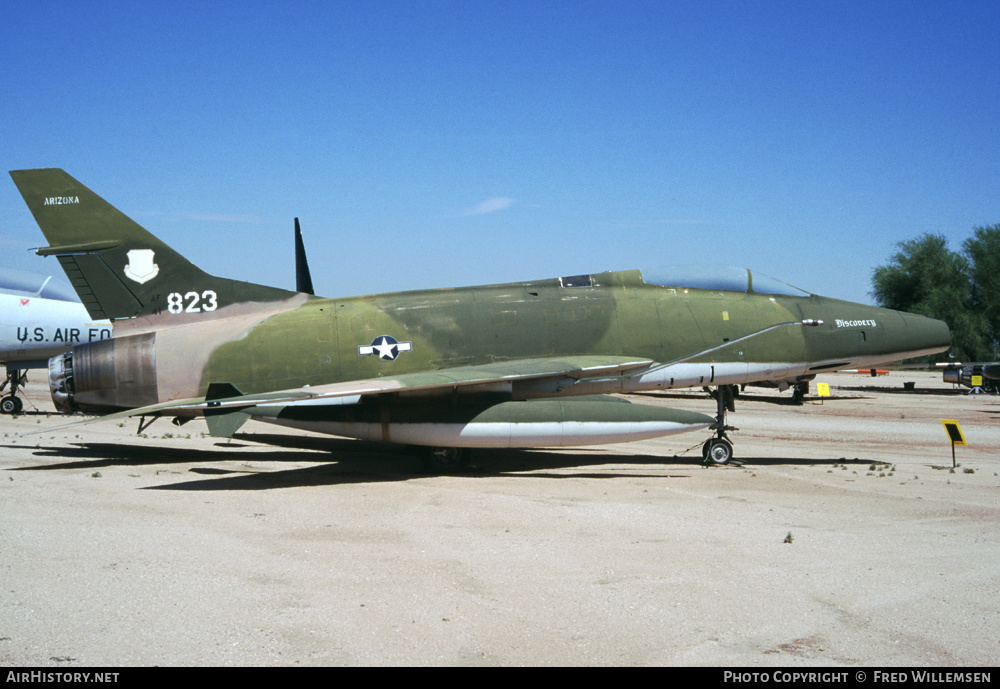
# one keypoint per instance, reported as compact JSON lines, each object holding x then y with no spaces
{"x":105,"y":376}
{"x":954,"y":376}
{"x":990,"y":373}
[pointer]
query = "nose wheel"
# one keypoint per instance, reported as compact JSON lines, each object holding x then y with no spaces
{"x":718,"y":451}
{"x":12,"y":404}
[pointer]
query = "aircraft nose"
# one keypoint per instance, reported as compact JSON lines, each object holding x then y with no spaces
{"x":927,"y":335}
{"x":868,"y":335}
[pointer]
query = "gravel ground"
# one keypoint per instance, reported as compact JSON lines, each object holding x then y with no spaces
{"x":842,"y":537}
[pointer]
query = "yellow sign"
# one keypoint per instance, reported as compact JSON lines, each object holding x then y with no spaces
{"x":954,"y":432}
{"x":977,"y":381}
{"x":823,"y":389}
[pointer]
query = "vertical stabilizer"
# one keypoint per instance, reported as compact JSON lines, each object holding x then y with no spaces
{"x":118,"y":268}
{"x":303,"y":279}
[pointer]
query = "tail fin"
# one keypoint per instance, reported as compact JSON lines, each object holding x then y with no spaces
{"x":303,"y":280}
{"x":118,"y":268}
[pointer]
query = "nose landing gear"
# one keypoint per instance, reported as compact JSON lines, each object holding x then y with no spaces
{"x":12,"y":404}
{"x":718,"y":451}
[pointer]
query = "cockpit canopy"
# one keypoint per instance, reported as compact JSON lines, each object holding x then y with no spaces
{"x":725,"y":278}
{"x":35,"y":285}
{"x":718,"y":278}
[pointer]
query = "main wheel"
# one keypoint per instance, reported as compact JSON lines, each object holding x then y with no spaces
{"x":800,"y":392}
{"x":717,"y":451}
{"x":445,"y":459}
{"x":11,"y":405}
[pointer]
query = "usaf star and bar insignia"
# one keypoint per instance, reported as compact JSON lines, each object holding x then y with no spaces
{"x":386,"y":347}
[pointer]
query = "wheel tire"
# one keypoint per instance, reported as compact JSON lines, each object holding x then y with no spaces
{"x":718,"y":451}
{"x":800,"y":393}
{"x":10,"y":405}
{"x":441,"y":460}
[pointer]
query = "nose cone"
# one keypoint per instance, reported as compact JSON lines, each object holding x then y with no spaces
{"x":925,"y":335}
{"x":859,"y":334}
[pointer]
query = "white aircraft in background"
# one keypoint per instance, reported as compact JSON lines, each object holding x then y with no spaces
{"x":40,"y":317}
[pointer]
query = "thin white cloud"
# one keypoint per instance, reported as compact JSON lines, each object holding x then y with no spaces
{"x":625,"y":224}
{"x":491,"y":205}
{"x":222,"y":217}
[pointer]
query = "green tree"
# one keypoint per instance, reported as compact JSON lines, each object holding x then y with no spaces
{"x":983,"y":251}
{"x":927,"y":278}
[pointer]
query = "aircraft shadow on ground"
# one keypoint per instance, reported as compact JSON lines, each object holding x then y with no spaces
{"x":784,"y":401}
{"x":787,"y":401}
{"x":893,"y":390}
{"x":333,"y":461}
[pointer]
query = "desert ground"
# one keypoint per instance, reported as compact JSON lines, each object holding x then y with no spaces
{"x":841,"y":536}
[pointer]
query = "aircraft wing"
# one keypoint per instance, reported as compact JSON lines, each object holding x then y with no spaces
{"x":576,"y":367}
{"x":223,"y":398}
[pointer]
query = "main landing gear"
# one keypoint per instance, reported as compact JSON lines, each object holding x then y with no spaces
{"x":442,"y":460}
{"x":12,"y":404}
{"x":719,"y":450}
{"x":800,"y":392}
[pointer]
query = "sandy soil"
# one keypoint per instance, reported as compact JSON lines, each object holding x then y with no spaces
{"x":843,"y":538}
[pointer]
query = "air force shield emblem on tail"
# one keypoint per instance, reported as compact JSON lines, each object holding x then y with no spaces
{"x":140,"y":267}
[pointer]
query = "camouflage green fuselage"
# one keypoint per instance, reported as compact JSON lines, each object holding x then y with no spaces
{"x":299,"y":341}
{"x":616,"y":314}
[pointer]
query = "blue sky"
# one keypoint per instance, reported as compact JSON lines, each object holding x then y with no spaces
{"x":438,"y":144}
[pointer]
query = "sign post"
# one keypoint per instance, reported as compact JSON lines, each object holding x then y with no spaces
{"x":955,"y":435}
